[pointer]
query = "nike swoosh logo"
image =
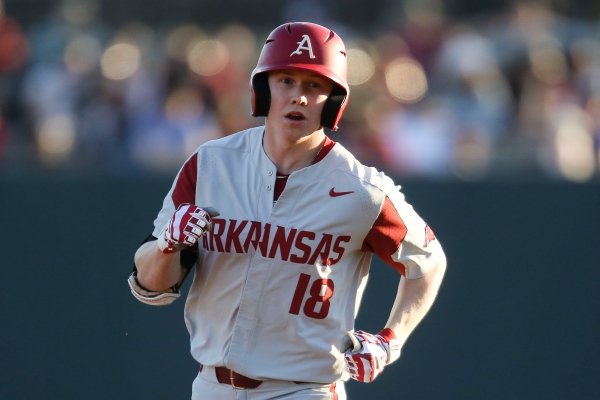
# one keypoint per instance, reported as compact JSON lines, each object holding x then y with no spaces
{"x":333,"y":193}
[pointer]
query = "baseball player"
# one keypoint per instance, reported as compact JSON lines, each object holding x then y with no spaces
{"x":279,"y":224}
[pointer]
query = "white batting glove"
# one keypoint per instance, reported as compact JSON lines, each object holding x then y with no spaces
{"x":186,"y":226}
{"x":370,"y":354}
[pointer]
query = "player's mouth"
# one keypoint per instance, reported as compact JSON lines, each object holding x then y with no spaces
{"x":295,"y":116}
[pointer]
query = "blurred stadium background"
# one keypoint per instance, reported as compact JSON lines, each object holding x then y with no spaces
{"x":439,"y":90}
{"x":487,"y":113}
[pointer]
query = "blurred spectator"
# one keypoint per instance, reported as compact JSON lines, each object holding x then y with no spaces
{"x":14,"y":54}
{"x":14,"y":46}
{"x":418,"y":141}
{"x":506,"y":94}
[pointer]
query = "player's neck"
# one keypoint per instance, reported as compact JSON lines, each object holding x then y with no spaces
{"x":289,"y":156}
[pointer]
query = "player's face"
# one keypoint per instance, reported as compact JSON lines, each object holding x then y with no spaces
{"x":297,"y":100}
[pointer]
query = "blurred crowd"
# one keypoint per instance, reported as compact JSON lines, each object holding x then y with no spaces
{"x":511,"y":94}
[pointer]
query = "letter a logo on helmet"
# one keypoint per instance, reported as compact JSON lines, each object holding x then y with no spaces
{"x":307,"y":47}
{"x":304,"y":44}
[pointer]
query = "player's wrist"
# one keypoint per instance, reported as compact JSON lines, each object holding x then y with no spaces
{"x":167,"y":246}
{"x":391,"y":344}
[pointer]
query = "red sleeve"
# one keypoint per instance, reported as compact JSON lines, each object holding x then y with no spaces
{"x":386,"y":234}
{"x":185,"y":187}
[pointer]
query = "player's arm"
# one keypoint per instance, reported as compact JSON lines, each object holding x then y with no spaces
{"x":157,"y":271}
{"x":421,"y":260}
{"x":370,"y":354}
{"x":161,"y":265}
{"x":414,"y":300}
{"x":404,"y":241}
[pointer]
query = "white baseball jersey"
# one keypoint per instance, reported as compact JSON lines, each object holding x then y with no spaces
{"x":278,"y":284}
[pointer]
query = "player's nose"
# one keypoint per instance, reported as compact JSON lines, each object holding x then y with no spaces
{"x":299,"y":99}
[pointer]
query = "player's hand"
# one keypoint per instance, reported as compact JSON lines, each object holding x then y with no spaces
{"x":369,"y":354}
{"x":185,"y":227}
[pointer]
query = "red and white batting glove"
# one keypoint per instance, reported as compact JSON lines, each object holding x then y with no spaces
{"x":370,"y":354}
{"x":186,"y":226}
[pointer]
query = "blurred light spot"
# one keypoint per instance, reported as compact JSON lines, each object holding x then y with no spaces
{"x":574,"y":149}
{"x":56,"y":138}
{"x":179,"y":39}
{"x":406,"y":80}
{"x":468,"y":55}
{"x":208,"y":57}
{"x":120,"y":61}
{"x":241,"y":43}
{"x":82,"y":54}
{"x":548,"y":64}
{"x":361,"y":66}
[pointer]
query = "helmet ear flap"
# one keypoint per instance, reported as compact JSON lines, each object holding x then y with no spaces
{"x":332,"y":108}
{"x":262,"y":95}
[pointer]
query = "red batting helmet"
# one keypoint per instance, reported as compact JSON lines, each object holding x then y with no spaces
{"x":303,"y":46}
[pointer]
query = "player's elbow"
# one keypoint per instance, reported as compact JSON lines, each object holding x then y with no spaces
{"x":429,"y":263}
{"x":150,"y":297}
{"x":434,"y":266}
{"x":439,"y":263}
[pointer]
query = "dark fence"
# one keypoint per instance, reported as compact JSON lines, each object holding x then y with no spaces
{"x":517,"y":317}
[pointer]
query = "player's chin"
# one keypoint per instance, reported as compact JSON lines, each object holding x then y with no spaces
{"x":293,"y":130}
{"x":302,"y":127}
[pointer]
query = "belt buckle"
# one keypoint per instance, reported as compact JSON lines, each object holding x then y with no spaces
{"x":232,"y":381}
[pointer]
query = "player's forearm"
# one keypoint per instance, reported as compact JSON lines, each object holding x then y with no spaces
{"x":156,"y":270}
{"x":413,"y":301}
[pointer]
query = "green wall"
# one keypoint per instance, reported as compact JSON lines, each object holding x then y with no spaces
{"x":517,"y":317}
